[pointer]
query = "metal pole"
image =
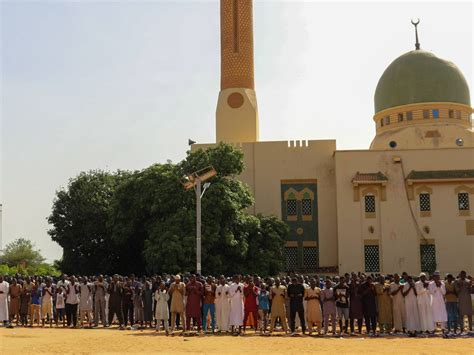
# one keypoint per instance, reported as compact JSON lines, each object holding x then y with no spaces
{"x":198,"y":225}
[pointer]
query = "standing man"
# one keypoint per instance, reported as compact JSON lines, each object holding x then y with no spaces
{"x":127,"y":302}
{"x":4,"y":288}
{"x":411,"y":306}
{"x":15,"y":292}
{"x":99,"y":301}
{"x":313,"y":306}
{"x":236,"y":295}
{"x":329,"y":306}
{"x":369,"y":305}
{"x":72,"y":300}
{"x":194,"y":292}
{"x":263,"y":307}
{"x":296,"y":294}
{"x":463,"y":288}
{"x":398,"y":304}
{"x":278,"y":309}
{"x":250,"y":303}
{"x":115,"y":301}
{"x":355,"y":308}
{"x":384,"y":305}
{"x":47,"y":302}
{"x":177,"y":290}
{"x":438,"y":290}
{"x":162,"y":312}
{"x":342,"y":304}
{"x":222,"y":305}
{"x":208,"y":304}
{"x":451,"y":304}
{"x":423,"y":298}
{"x":85,"y":301}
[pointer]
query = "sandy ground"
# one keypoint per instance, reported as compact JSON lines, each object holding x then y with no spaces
{"x":97,"y":341}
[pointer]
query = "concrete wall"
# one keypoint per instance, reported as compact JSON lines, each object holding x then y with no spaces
{"x":394,"y":227}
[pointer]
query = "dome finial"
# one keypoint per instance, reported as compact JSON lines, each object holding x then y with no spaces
{"x":415,"y":23}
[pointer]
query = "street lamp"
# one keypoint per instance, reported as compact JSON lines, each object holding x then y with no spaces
{"x":189,"y":182}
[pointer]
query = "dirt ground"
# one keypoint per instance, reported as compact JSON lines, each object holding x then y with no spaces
{"x":99,"y":341}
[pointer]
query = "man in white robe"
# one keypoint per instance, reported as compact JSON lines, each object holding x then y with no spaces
{"x":438,"y":290}
{"x":222,"y":305}
{"x":4,"y":287}
{"x":423,"y":298}
{"x":411,"y":306}
{"x":236,"y":295}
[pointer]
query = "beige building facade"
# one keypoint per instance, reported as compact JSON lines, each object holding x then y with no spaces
{"x":404,"y":204}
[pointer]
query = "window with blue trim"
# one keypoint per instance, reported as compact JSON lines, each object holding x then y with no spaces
{"x":435,"y":114}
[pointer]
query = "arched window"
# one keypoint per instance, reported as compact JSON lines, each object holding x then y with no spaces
{"x":291,"y":204}
{"x":306,"y":205}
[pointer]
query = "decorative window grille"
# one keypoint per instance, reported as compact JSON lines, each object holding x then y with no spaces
{"x":291,"y":257}
{"x":400,"y":117}
{"x":291,"y":207}
{"x":409,"y":115}
{"x":463,"y":201}
{"x":372,"y":258}
{"x":306,"y":207}
{"x":310,"y":258}
{"x":458,"y":114}
{"x":451,"y":113}
{"x":428,"y":257}
{"x":387,"y":120}
{"x":436,"y":113}
{"x":425,"y":203}
{"x":426,"y":114}
{"x":369,"y":203}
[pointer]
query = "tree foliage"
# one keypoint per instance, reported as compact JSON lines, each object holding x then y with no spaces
{"x":21,"y":252}
{"x":144,"y":221}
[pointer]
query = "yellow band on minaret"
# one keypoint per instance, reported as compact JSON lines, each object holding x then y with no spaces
{"x":236,"y":44}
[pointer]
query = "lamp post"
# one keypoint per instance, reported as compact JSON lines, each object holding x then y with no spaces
{"x":195,"y":181}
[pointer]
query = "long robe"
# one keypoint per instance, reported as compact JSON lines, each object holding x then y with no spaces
{"x":15,"y":291}
{"x":437,"y":302}
{"x":398,"y":307}
{"x":147,"y":297}
{"x":463,"y":288}
{"x":162,"y":310}
{"x":177,"y":297}
{"x":355,"y":305}
{"x":236,"y":315}
{"x":313,"y":306}
{"x":411,"y":309}
{"x":425,"y":312}
{"x":4,"y":287}
{"x":384,"y":304}
{"x":194,"y":292}
{"x":222,"y":307}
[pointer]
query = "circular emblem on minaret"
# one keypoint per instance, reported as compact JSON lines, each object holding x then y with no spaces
{"x":235,"y":100}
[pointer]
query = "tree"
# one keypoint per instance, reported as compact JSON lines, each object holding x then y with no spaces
{"x":144,"y":221}
{"x":21,"y":252}
{"x":79,"y":222}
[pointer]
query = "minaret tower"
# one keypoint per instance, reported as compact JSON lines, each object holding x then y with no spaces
{"x":237,"y":114}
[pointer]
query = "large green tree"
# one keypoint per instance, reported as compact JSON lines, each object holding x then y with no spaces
{"x":145,"y":222}
{"x":79,"y":222}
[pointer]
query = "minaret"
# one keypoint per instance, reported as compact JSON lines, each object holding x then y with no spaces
{"x":237,"y":114}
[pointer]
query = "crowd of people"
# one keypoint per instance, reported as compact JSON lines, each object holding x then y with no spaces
{"x":335,"y":305}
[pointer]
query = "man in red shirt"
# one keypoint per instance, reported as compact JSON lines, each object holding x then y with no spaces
{"x":250,"y":302}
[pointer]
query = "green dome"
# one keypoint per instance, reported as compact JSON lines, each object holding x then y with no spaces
{"x":420,"y":76}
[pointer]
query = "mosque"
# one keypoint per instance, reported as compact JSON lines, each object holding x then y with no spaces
{"x":404,"y":204}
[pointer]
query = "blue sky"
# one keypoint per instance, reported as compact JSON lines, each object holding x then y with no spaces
{"x":122,"y":85}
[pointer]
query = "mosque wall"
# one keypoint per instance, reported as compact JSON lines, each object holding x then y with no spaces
{"x":445,"y":232}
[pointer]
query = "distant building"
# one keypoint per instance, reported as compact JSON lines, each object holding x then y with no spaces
{"x":404,"y":204}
